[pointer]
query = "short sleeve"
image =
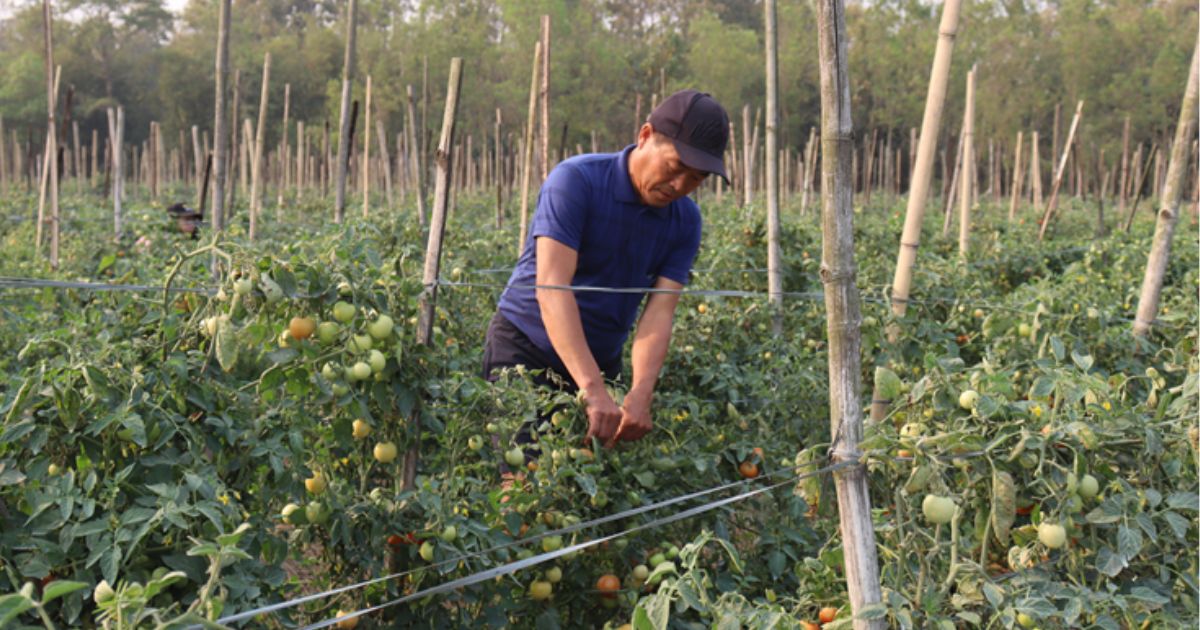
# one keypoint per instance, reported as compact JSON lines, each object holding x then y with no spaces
{"x":561,"y":211}
{"x":678,"y":265}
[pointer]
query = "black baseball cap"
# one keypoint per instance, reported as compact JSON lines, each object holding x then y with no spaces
{"x":698,"y":127}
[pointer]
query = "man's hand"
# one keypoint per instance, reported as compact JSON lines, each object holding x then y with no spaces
{"x":604,"y":417}
{"x":635,"y":417}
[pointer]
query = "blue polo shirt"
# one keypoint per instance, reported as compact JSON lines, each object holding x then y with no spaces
{"x":588,"y":203}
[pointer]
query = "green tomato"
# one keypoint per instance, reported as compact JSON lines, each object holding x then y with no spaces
{"x":377,"y":361}
{"x":103,"y":592}
{"x":554,"y":575}
{"x":515,"y":456}
{"x":449,"y":534}
{"x":293,"y":514}
{"x":330,"y":373}
{"x":968,"y":399}
{"x":1052,"y":535}
{"x":1089,"y":487}
{"x":938,"y":510}
{"x":242,"y":286}
{"x":656,"y":560}
{"x":426,"y":551}
{"x":552,"y":543}
{"x":53,"y":470}
{"x":475,"y":442}
{"x":327,"y":333}
{"x":343,"y":312}
{"x":316,"y":513}
{"x":641,"y":572}
{"x":361,"y":371}
{"x":360,"y":343}
{"x":381,"y":328}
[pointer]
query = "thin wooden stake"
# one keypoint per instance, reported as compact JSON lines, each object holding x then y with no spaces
{"x":1017,"y":172}
{"x":774,"y":262}
{"x":366,"y":154}
{"x":256,"y":174}
{"x":414,"y":158}
{"x":966,"y":192}
{"x":343,"y":156}
{"x":527,"y":167}
{"x":1058,"y":176}
{"x":220,"y":121}
{"x":433,"y":252}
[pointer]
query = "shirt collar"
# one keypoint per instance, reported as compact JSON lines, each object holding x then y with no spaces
{"x":622,"y":185}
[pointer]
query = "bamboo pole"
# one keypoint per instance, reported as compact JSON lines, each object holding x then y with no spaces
{"x":747,"y":153}
{"x":955,"y":182}
{"x":498,"y":173}
{"x":343,"y":156}
{"x":44,"y":171}
{"x":386,"y":163}
{"x":1058,"y":176}
{"x":527,"y":167}
{"x":433,"y":252}
{"x":1035,"y":173}
{"x":116,"y":134}
{"x":810,"y":155}
{"x":220,"y":120}
{"x":414,"y":158}
{"x":365,"y":179}
{"x":545,"y":98}
{"x":843,"y":314}
{"x":774,"y":262}
{"x":256,"y":174}
{"x":922,"y":168}
{"x":232,"y":147}
{"x":4,"y":178}
{"x":1168,"y":213}
{"x":51,"y":129}
{"x":966,"y":195}
{"x":1015,"y":193}
{"x":1139,"y":185}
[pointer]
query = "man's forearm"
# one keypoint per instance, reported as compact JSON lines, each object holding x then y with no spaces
{"x":650,"y":347}
{"x":560,"y":315}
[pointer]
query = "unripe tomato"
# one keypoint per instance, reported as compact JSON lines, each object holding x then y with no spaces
{"x":381,"y":327}
{"x":103,"y":592}
{"x":292,"y":514}
{"x":641,"y":572}
{"x":449,"y":534}
{"x":360,"y":371}
{"x":327,"y":333}
{"x":1089,"y":487}
{"x":360,"y":343}
{"x":475,"y":442}
{"x":1052,"y":535}
{"x":343,"y":312}
{"x":937,"y":509}
{"x":515,"y":456}
{"x":552,"y":543}
{"x":346,"y":624}
{"x":540,"y":590}
{"x":361,"y":429}
{"x":554,"y":575}
{"x":426,"y":551}
{"x":316,"y":513}
{"x":385,"y":452}
{"x":377,"y":361}
{"x":315,"y":484}
{"x":968,"y":399}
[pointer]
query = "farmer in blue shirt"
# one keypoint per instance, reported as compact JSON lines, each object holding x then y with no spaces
{"x":618,"y":220}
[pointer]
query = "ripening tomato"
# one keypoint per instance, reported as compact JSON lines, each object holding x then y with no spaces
{"x":827,"y":614}
{"x":748,"y":469}
{"x":608,"y":585}
{"x":302,"y":327}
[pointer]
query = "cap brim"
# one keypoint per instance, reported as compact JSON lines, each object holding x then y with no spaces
{"x":700,"y":160}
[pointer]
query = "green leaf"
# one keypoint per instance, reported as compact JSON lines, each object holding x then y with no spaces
{"x":1110,"y":511}
{"x":1147,"y":595}
{"x":1083,"y":361}
{"x":13,"y":605}
{"x":994,"y":594}
{"x":1109,"y":562}
{"x":1178,"y":524}
{"x":1184,"y":501}
{"x":887,"y":383}
{"x":59,"y":588}
{"x":877,"y":610}
{"x":647,"y":479}
{"x":226,"y":347}
{"x":1129,"y":542}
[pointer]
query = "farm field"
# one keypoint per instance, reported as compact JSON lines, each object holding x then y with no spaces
{"x":193,"y":456}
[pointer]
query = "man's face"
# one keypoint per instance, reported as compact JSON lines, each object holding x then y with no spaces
{"x":661,"y":177}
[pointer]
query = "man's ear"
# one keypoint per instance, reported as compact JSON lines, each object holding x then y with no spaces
{"x":645,"y":135}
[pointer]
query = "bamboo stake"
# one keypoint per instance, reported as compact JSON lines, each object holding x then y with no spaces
{"x":1016,"y":180}
{"x":51,"y":129}
{"x":1058,"y":176}
{"x":967,"y":190}
{"x":497,"y":173}
{"x":386,"y":166}
{"x":956,"y":180}
{"x":256,"y":175}
{"x":1035,"y":173}
{"x":545,"y":98}
{"x":220,"y":121}
{"x":4,"y":158}
{"x":281,"y":183}
{"x":343,"y":156}
{"x":414,"y":161}
{"x":527,"y":167}
{"x":1168,"y":213}
{"x":810,"y":154}
{"x":43,"y":173}
{"x":844,"y":315}
{"x":433,"y":252}
{"x":366,"y":154}
{"x":1139,"y":186}
{"x":747,"y":153}
{"x":232,"y":148}
{"x":774,"y":262}
{"x":116,"y":134}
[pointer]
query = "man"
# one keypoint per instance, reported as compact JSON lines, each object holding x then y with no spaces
{"x":621,"y":220}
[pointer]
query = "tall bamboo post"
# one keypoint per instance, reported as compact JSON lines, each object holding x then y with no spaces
{"x":545,"y":98}
{"x":116,"y":134}
{"x":922,"y":175}
{"x":1054,"y":146}
{"x":1035,"y":173}
{"x":365,"y":171}
{"x":386,"y":163}
{"x":76,"y":155}
{"x":1124,"y":185}
{"x":343,"y":156}
{"x":747,"y":153}
{"x":527,"y":166}
{"x":843,"y":314}
{"x":774,"y":262}
{"x":4,"y":158}
{"x":1139,"y":185}
{"x":810,"y":155}
{"x":256,"y":174}
{"x":1168,"y":213}
{"x":966,"y":192}
{"x":433,"y":252}
{"x":281,"y":155}
{"x":51,"y":130}
{"x":232,"y":148}
{"x":220,"y":120}
{"x":498,"y":173}
{"x":1058,"y":175}
{"x":414,"y":157}
{"x":1015,"y":193}
{"x":956,"y":180}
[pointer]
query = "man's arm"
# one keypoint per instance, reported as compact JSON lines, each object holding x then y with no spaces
{"x":649,"y":351}
{"x":556,"y":264}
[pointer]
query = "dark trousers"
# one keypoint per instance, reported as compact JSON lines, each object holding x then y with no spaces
{"x":506,"y":346}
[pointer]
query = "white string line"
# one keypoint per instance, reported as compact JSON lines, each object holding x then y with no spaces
{"x":515,"y":543}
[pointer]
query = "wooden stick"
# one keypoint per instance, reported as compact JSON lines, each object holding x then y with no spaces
{"x":1138,"y":187}
{"x":498,"y":174}
{"x":1062,"y":166}
{"x":527,"y":168}
{"x":774,"y":262}
{"x":387,"y":161}
{"x":220,"y":121}
{"x":966,"y":195}
{"x":1016,"y":180}
{"x":844,"y":315}
{"x":545,"y":98}
{"x":343,"y":155}
{"x":365,"y":179}
{"x":1168,"y":213}
{"x":256,"y":174}
{"x":433,"y":252}
{"x":414,"y":161}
